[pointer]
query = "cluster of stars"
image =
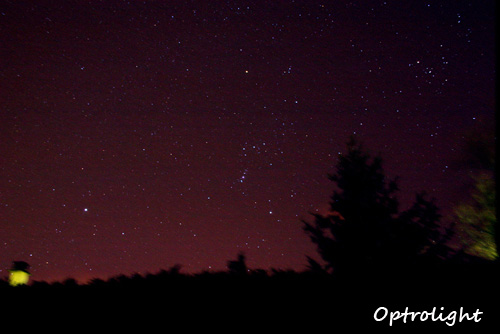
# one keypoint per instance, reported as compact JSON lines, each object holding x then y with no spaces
{"x":140,"y":135}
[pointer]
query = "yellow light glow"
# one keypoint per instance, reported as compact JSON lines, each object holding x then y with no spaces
{"x":18,"y":277}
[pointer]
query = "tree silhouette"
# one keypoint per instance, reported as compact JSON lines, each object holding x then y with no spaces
{"x":363,"y":229}
{"x":238,"y":267}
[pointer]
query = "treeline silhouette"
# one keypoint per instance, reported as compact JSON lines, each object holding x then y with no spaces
{"x":370,"y":251}
{"x":256,"y":298}
{"x":237,"y":272}
{"x":457,"y":275}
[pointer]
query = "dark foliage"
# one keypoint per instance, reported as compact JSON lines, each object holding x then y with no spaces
{"x":278,"y":300}
{"x":239,"y":266}
{"x":364,"y":230}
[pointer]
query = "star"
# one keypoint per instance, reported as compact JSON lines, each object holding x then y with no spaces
{"x":140,"y":120}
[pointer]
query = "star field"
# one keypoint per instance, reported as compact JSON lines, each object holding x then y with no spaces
{"x":136,"y":135}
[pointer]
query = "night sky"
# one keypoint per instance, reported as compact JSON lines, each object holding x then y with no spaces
{"x":136,"y":135}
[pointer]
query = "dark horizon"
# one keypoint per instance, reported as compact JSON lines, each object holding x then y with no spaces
{"x":137,"y":136}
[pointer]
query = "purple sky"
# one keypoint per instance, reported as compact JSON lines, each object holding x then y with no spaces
{"x":139,"y":135}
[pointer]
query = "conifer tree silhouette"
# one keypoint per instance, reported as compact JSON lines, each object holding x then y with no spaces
{"x":363,"y":229}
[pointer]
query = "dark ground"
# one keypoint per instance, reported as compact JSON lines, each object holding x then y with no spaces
{"x":277,"y":301}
